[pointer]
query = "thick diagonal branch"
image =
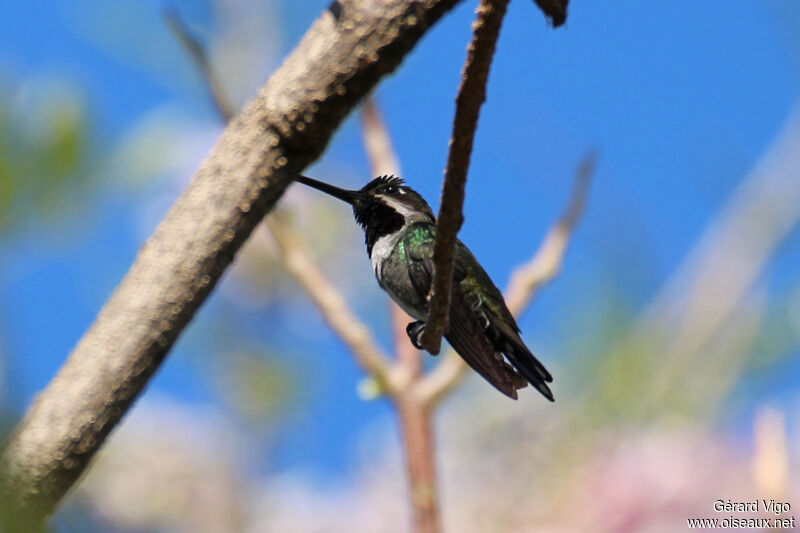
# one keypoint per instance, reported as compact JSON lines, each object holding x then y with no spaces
{"x":471,"y":95}
{"x":284,"y":128}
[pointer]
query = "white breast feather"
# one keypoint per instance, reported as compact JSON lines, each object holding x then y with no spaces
{"x":384,"y":245}
{"x":382,"y":249}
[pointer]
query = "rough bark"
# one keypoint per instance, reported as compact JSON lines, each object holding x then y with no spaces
{"x":284,"y":128}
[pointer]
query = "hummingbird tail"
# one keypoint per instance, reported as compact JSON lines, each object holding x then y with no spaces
{"x":508,"y":342}
{"x":526,"y":364}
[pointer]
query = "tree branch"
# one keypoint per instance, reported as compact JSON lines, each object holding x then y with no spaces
{"x":378,"y":143}
{"x":525,"y":283}
{"x":419,"y":449}
{"x":471,"y":95}
{"x":284,"y":128}
{"x":546,"y":263}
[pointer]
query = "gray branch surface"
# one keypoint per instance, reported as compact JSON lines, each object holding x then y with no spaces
{"x":284,"y":128}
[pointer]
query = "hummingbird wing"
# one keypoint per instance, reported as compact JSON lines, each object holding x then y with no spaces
{"x":501,"y":328}
{"x":467,"y":336}
{"x":476,"y":331}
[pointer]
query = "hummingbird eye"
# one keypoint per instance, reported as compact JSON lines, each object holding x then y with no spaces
{"x":390,"y":189}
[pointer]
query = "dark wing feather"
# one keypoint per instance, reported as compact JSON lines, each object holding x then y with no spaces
{"x":479,"y":346}
{"x":519,"y":354}
{"x":468,"y":337}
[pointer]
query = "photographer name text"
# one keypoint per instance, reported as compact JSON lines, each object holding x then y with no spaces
{"x":755,"y":506}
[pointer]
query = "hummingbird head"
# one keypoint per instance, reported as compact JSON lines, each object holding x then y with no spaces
{"x":382,"y":207}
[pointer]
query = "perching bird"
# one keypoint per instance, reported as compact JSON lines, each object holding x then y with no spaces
{"x":400,"y":231}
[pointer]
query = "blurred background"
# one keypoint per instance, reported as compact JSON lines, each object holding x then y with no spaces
{"x":673,"y":331}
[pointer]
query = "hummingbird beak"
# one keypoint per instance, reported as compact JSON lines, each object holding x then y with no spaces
{"x":342,"y":194}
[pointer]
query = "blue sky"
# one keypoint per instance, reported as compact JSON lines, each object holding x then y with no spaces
{"x":680,"y":99}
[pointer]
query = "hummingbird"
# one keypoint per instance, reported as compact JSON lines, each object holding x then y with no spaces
{"x":400,"y":231}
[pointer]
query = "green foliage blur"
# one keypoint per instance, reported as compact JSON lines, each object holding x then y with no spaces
{"x":45,"y":160}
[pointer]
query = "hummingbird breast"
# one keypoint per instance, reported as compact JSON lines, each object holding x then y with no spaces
{"x":390,"y":263}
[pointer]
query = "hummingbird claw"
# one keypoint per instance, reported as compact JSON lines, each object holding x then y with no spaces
{"x":415,"y":331}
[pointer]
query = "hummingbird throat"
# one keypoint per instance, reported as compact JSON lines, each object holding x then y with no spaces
{"x":381,"y":221}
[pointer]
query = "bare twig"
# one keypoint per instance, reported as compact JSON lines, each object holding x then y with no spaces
{"x":199,"y":55}
{"x":331,"y":303}
{"x":546,"y":263}
{"x":377,"y":141}
{"x":285,"y":127}
{"x":471,"y":95}
{"x":527,"y":280}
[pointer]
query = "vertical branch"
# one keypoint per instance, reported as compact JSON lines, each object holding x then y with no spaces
{"x":471,"y":95}
{"x":419,"y":446}
{"x":414,"y":415}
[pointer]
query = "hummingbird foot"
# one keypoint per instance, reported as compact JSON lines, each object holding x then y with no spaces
{"x":415,"y":331}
